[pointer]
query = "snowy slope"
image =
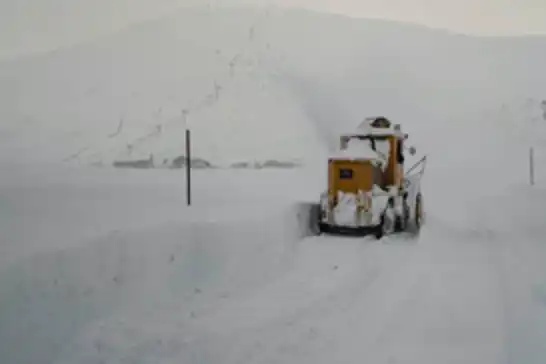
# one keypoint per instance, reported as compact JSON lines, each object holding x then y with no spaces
{"x":247,"y":76}
{"x":123,"y":96}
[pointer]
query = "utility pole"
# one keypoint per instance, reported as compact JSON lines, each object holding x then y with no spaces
{"x":188,"y":157}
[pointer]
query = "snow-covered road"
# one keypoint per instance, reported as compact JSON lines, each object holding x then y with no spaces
{"x":233,"y":279}
{"x":345,"y":301}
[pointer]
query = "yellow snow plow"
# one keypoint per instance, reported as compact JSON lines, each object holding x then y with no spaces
{"x":368,"y":192}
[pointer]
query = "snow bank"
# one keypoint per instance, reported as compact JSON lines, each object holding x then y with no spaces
{"x":47,"y":298}
{"x":81,"y":245}
{"x":512,"y":225}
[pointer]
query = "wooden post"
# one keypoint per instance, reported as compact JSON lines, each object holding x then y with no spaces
{"x":531,"y":166}
{"x":188,"y":167}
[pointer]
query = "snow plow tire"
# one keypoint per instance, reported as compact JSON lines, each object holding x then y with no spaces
{"x":415,"y":225}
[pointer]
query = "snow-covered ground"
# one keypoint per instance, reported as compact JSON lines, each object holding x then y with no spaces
{"x":110,"y":266}
{"x":99,"y":265}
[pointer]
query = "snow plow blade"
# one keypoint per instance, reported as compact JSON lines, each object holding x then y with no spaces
{"x":348,"y":231}
{"x":308,"y":214}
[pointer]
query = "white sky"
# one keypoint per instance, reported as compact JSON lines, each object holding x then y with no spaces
{"x":484,"y":17}
{"x":28,"y":26}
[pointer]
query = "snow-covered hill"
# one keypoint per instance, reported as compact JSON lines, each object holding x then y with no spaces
{"x":257,"y":84}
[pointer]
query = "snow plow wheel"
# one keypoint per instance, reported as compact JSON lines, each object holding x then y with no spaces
{"x":415,"y":226}
{"x":380,"y":229}
{"x":387,"y":224}
{"x":418,"y":211}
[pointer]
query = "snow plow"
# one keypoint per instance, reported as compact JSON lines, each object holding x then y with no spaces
{"x":368,"y":191}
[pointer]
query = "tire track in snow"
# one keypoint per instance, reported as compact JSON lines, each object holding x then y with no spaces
{"x":436,"y":301}
{"x":522,"y":279}
{"x":300,"y":329}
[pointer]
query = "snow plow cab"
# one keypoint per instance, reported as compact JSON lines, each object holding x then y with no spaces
{"x":367,"y":190}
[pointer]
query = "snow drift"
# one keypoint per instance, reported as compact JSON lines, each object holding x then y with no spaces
{"x":130,"y":241}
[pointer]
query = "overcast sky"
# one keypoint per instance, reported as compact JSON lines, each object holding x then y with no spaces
{"x":28,"y":26}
